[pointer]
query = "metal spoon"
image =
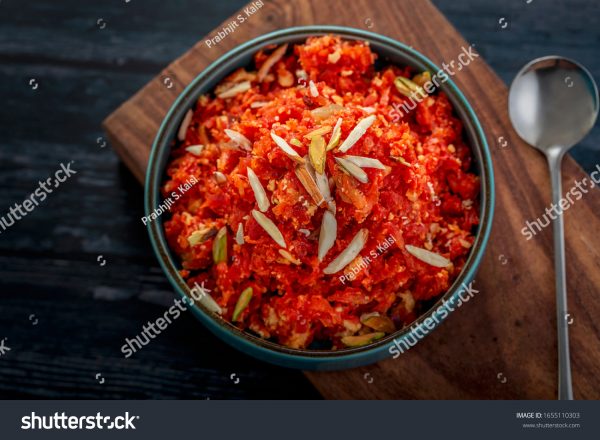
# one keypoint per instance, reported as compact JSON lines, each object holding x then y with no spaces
{"x":553,"y":104}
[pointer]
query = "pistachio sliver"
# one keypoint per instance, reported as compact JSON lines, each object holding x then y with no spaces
{"x":201,"y":235}
{"x":296,"y":142}
{"x":422,"y":78}
{"x":289,"y":257}
{"x":319,"y":131}
{"x":408,"y":88}
{"x":378,"y":323}
{"x":219,"y":249}
{"x":401,"y":160}
{"x":358,"y":341}
{"x":316,"y":153}
{"x":335,"y":136}
{"x":242,"y":303}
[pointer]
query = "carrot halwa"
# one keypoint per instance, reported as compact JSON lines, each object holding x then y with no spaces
{"x":317,"y":219}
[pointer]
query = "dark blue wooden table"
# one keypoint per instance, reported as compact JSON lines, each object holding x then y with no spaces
{"x":77,"y":274}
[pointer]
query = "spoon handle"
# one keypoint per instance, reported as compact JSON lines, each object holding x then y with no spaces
{"x":565,"y":388}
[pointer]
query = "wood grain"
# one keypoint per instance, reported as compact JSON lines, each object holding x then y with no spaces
{"x":502,"y":344}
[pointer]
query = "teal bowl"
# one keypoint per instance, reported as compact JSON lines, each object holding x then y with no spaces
{"x":390,"y":51}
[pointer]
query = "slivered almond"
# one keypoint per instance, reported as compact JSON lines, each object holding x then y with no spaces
{"x":267,"y":224}
{"x":310,"y":185}
{"x":319,"y":131}
{"x":401,"y":160}
{"x":289,"y":151}
{"x":323,"y":184}
{"x":258,"y":104}
{"x":331,"y":206}
{"x":334,"y":57}
{"x":316,"y":153}
{"x":185,"y":123}
{"x":334,"y":140}
{"x":350,"y":253}
{"x":357,"y":132}
{"x":241,"y":75}
{"x":352,"y":169}
{"x":234,"y":90}
{"x":321,"y":180}
{"x":327,"y":235}
{"x":195,"y":149}
{"x":464,"y":243}
{"x":204,"y":298}
{"x":312,"y":87}
{"x":407,"y":300}
{"x":239,"y":139}
{"x":285,"y":78}
{"x":220,"y":177}
{"x":325,"y":111}
{"x":428,"y":257}
{"x":201,"y":235}
{"x":239,"y":235}
{"x":368,"y":110}
{"x":259,"y":192}
{"x":289,"y":257}
{"x":365,"y":162}
{"x":270,"y":62}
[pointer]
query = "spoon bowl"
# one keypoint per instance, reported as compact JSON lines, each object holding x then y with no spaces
{"x":553,"y":101}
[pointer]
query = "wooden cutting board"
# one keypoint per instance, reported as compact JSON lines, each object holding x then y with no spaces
{"x":501,"y":344}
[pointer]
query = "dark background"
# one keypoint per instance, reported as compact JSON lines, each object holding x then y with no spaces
{"x":50,"y":261}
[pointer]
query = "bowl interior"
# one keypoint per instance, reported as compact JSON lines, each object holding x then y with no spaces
{"x":389,"y":52}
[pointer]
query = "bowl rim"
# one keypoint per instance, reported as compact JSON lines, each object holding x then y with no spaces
{"x":304,"y":358}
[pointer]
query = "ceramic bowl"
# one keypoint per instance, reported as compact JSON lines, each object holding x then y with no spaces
{"x":389,"y":51}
